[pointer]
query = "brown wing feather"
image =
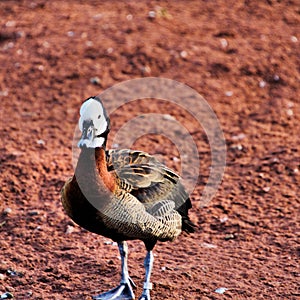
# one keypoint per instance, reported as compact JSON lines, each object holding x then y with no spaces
{"x":119,"y":158}
{"x":143,"y":176}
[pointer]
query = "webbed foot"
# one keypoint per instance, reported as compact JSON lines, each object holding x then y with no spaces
{"x":145,"y":296}
{"x":122,"y":292}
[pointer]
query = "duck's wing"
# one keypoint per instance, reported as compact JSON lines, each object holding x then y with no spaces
{"x":117,"y":159}
{"x":144,"y":177}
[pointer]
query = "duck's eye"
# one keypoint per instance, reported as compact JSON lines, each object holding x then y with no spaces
{"x":99,"y":116}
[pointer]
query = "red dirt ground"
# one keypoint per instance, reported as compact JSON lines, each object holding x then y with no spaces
{"x":242,"y":56}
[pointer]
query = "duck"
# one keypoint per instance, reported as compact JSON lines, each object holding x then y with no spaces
{"x":123,"y":194}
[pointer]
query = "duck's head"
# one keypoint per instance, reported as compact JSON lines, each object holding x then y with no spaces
{"x":93,"y":124}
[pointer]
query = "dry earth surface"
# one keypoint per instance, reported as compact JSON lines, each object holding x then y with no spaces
{"x":242,"y":56}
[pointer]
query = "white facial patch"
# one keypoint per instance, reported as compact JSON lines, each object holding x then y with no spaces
{"x":96,"y":142}
{"x":93,"y":110}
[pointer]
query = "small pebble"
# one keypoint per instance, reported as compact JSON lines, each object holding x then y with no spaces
{"x":129,"y":17}
{"x":9,"y":45}
{"x":176,"y":159}
{"x":289,"y":112}
{"x":95,"y":80}
{"x":146,"y":69}
{"x":46,"y":44}
{"x":70,"y":33}
{"x":262,"y":84}
{"x":266,"y":189}
{"x":221,"y":290}
{"x":224,"y":43}
{"x":4,"y":93}
{"x":239,"y":136}
{"x":238,"y":147}
{"x":7,"y":211}
{"x":168,"y":117}
{"x":294,"y":39}
{"x":84,"y":35}
{"x":228,"y":93}
{"x":70,"y":229}
{"x":10,"y":23}
{"x":276,"y":77}
{"x":152,"y":14}
{"x":224,"y":219}
{"x":208,"y":245}
{"x":163,"y":268}
{"x":229,"y":236}
{"x":21,"y":34}
{"x":41,"y":142}
{"x":2,"y":276}
{"x":183,"y":54}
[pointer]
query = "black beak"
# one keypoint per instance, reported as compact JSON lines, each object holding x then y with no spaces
{"x":88,"y":134}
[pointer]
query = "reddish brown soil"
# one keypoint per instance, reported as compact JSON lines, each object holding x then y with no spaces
{"x":248,"y":237}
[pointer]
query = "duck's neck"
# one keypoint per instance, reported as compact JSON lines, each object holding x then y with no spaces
{"x":107,"y":178}
{"x":92,"y":175}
